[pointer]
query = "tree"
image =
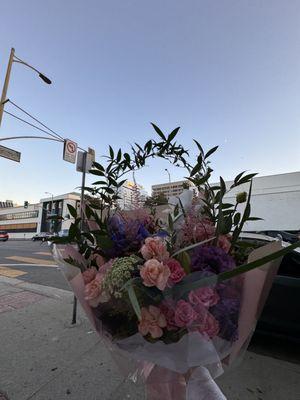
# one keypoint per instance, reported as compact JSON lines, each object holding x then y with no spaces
{"x":158,"y":200}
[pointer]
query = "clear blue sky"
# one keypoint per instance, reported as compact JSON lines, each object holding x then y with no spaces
{"x":227,"y":72}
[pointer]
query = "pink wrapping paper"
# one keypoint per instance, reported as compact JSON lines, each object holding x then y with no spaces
{"x":185,"y":369}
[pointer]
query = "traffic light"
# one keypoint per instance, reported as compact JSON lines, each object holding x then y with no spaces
{"x":26,"y":204}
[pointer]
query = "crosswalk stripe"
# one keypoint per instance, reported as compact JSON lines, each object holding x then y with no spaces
{"x":11,"y":273}
{"x":30,"y":260}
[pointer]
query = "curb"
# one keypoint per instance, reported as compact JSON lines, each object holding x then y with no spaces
{"x":48,"y":291}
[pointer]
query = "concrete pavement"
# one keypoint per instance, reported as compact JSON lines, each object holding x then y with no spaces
{"x":43,"y":357}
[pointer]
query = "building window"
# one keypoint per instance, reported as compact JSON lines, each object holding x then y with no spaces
{"x":20,"y":215}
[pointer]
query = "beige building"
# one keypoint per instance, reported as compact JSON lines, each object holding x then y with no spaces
{"x":171,"y":188}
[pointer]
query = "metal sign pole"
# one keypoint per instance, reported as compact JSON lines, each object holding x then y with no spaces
{"x":81,"y":223}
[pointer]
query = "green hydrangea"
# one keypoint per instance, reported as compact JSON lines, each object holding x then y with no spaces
{"x":119,"y":274}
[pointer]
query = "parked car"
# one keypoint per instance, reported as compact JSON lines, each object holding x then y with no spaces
{"x":3,"y":236}
{"x":281,"y":314}
{"x":63,"y":233}
{"x":43,"y":236}
{"x":283,"y":235}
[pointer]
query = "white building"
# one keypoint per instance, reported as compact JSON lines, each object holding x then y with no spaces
{"x":275,"y":198}
{"x":24,"y":222}
{"x":131,"y":194}
{"x":171,"y":188}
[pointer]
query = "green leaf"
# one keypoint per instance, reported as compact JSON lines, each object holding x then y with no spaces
{"x":173,"y":134}
{"x":223,"y":186}
{"x":185,"y":261}
{"x":158,"y":131}
{"x":196,"y":169}
{"x":210,"y":152}
{"x":199,"y":147}
{"x":96,"y":172}
{"x":237,"y":218}
{"x":111,"y":152}
{"x":236,"y":179}
{"x":98,"y":166}
{"x":246,"y":178}
{"x":170,"y":222}
{"x":72,"y":210}
{"x":192,"y":246}
{"x":255,"y":219}
{"x":134,"y":302}
{"x":119,"y":155}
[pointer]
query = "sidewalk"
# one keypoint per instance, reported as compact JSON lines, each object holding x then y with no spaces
{"x":44,"y":357}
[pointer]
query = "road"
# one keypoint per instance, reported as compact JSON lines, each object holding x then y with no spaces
{"x":33,"y":262}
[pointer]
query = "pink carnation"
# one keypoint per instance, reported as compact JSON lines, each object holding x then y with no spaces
{"x":94,"y":294}
{"x":89,"y":274}
{"x":167,"y":307}
{"x":206,"y":296}
{"x":154,"y":247}
{"x":184,"y":314}
{"x":155,"y":273}
{"x":224,"y":243}
{"x":177,"y":272}
{"x":209,"y":326}
{"x":152,"y":321}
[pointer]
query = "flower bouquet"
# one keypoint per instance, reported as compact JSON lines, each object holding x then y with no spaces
{"x":178,"y":294}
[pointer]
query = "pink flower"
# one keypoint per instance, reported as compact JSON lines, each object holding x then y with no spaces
{"x":89,"y":274}
{"x":184,"y":314}
{"x":167,"y":307}
{"x":99,"y":260}
{"x":94,"y":293}
{"x":155,"y":273}
{"x":209,"y":326}
{"x":224,"y":243}
{"x":154,"y":247}
{"x":152,"y":320}
{"x":204,"y":295}
{"x":177,"y":272}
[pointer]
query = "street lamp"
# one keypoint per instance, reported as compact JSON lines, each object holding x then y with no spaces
{"x":13,"y":58}
{"x":168,"y":174}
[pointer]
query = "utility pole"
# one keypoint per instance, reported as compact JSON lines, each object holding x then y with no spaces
{"x":6,"y":82}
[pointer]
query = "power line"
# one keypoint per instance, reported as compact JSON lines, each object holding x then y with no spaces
{"x":53,"y":134}
{"x":34,"y":126}
{"x":35,"y":119}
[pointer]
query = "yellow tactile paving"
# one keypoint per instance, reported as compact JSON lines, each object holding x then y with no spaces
{"x":11,"y":273}
{"x":43,"y":253}
{"x":30,"y":260}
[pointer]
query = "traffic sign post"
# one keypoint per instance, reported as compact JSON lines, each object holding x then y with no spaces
{"x":11,"y":154}
{"x":70,"y":151}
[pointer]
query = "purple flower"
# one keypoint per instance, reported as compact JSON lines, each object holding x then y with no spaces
{"x":226,"y":313}
{"x":212,"y":259}
{"x":126,"y":235}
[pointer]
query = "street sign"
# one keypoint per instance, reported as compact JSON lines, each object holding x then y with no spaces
{"x":90,"y":158}
{"x":10,"y":154}
{"x":70,"y":151}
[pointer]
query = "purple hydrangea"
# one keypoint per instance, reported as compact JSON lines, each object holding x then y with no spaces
{"x":212,"y":259}
{"x":126,"y":235}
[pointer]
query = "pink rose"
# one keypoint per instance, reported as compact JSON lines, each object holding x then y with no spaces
{"x":89,"y":274}
{"x":209,"y":326}
{"x":167,"y":307}
{"x":204,"y":295}
{"x":177,"y":272}
{"x":155,"y":273}
{"x":94,"y":294}
{"x":154,"y":247}
{"x":152,"y":320}
{"x":184,"y":314}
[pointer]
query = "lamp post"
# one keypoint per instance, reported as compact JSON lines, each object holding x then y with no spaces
{"x":13,"y":58}
{"x":168,"y":174}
